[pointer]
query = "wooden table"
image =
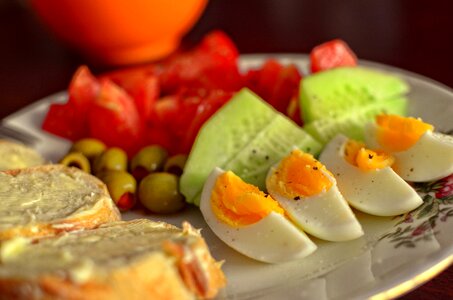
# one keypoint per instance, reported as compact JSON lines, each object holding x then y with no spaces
{"x":415,"y":35}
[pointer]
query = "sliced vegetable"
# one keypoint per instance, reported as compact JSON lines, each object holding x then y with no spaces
{"x":83,"y":90}
{"x":64,"y":120}
{"x":114,"y":119}
{"x":77,"y":160}
{"x":275,"y":83}
{"x":332,"y":54}
{"x":211,"y":65}
{"x":142,"y":84}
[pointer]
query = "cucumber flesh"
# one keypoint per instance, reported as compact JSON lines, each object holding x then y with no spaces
{"x":352,"y":123}
{"x":329,"y":93}
{"x":246,"y":136}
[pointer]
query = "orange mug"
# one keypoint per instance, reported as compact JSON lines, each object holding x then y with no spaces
{"x":119,"y":32}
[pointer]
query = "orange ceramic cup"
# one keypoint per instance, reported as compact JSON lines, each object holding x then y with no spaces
{"x":119,"y":32}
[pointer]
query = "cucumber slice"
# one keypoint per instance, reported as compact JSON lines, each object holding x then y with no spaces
{"x":352,"y":123}
{"x":246,"y":136}
{"x":329,"y":93}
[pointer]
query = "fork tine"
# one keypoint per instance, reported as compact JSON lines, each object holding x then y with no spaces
{"x":26,"y":138}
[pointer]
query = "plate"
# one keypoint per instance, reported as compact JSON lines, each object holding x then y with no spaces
{"x":394,"y":256}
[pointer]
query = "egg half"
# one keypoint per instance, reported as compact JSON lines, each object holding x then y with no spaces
{"x":250,"y":221}
{"x":366,"y":179}
{"x":420,"y":154}
{"x":308,"y":193}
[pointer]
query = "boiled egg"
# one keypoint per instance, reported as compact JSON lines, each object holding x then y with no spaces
{"x":250,"y":221}
{"x":308,"y":193}
{"x":366,"y":180}
{"x":420,"y":154}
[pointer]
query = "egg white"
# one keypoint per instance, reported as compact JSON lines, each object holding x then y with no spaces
{"x":430,"y":158}
{"x":378,"y":192}
{"x":326,"y":216}
{"x":273,"y":239}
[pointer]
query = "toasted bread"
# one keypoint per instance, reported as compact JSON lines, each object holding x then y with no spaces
{"x":48,"y":199}
{"x":17,"y":156}
{"x":138,"y":259}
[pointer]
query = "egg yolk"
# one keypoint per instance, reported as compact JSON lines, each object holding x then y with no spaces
{"x":238,"y":203}
{"x":357,"y":155}
{"x":300,"y":175}
{"x":398,"y":133}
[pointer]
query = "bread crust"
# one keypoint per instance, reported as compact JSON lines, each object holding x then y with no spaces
{"x":182,"y":269}
{"x":103,"y":211}
{"x":152,"y":278}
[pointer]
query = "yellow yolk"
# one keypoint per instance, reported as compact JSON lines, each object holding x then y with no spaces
{"x":356,"y":154}
{"x":300,"y":175}
{"x":237,"y":203}
{"x":398,"y":133}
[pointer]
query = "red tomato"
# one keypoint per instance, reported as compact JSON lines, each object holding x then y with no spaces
{"x":114,"y":119}
{"x":83,"y":89}
{"x":211,"y":65}
{"x":70,"y":120}
{"x":335,"y":53}
{"x":141,"y":83}
{"x":155,"y":135}
{"x":65,"y":121}
{"x":217,"y":43}
{"x":180,"y":117}
{"x":172,"y":115}
{"x":165,"y":111}
{"x":207,"y":107}
{"x":275,"y":83}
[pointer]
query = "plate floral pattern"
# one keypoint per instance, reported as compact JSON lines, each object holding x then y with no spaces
{"x":421,"y":223}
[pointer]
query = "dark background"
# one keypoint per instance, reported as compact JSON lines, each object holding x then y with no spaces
{"x":411,"y":34}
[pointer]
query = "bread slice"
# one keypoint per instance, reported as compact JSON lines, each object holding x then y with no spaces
{"x":48,"y":199}
{"x":138,"y":259}
{"x":17,"y":156}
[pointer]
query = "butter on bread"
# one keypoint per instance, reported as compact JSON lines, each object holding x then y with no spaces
{"x":138,"y":259}
{"x":48,"y":199}
{"x":17,"y":156}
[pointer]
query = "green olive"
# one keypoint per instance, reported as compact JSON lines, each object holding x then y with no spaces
{"x":148,"y":159}
{"x":175,"y":164}
{"x":89,"y":147}
{"x":112,"y":159}
{"x":78,"y":160}
{"x":122,"y":187}
{"x":160,"y":194}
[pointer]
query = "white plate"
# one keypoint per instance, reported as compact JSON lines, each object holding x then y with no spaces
{"x":394,"y":256}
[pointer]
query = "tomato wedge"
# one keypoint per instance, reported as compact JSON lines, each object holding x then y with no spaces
{"x":69,"y":120}
{"x":332,"y":54}
{"x":207,"y":107}
{"x":211,"y":65}
{"x":64,"y":120}
{"x":114,"y":119}
{"x":141,"y":83}
{"x":83,"y":89}
{"x":275,"y":83}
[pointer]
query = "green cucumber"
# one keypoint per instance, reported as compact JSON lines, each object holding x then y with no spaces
{"x":351,"y":123}
{"x":329,"y":93}
{"x":246,"y":136}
